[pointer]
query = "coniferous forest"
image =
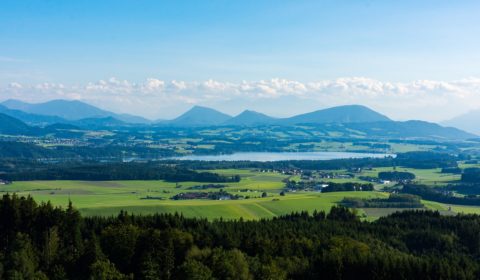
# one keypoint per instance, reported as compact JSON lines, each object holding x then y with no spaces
{"x":39,"y":241}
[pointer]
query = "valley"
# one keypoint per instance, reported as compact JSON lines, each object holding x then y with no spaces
{"x":107,"y":198}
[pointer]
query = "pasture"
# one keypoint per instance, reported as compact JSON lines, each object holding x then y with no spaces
{"x":107,"y":198}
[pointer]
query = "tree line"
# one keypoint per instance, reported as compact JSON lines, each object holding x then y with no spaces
{"x":393,"y":201}
{"x":440,"y":194}
{"x":117,"y":171}
{"x":39,"y":241}
{"x":421,"y":160}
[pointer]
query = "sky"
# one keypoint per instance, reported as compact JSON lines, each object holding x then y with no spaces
{"x":406,"y":59}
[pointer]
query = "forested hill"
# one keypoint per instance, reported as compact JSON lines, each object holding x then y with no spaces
{"x":339,"y":114}
{"x":12,"y":126}
{"x":43,"y":242}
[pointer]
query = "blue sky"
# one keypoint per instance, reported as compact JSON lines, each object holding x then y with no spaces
{"x":74,"y":43}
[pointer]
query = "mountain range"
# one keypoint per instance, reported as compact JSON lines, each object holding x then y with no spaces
{"x":68,"y":110}
{"x":73,"y":112}
{"x":86,"y":116}
{"x":203,"y":116}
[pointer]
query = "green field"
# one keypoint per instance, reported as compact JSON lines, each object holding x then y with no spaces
{"x":109,"y":197}
{"x":423,"y":176}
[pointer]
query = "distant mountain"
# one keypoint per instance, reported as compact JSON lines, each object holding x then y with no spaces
{"x":249,"y":118}
{"x":340,"y":114}
{"x":131,"y":119}
{"x":469,"y":122}
{"x":69,"y":110}
{"x":351,"y":120}
{"x":200,"y":116}
{"x":32,"y":119}
{"x":92,"y":123}
{"x":408,"y":129}
{"x":13,"y":126}
{"x":16,"y":104}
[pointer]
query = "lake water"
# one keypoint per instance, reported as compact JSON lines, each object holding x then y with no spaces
{"x":267,"y":156}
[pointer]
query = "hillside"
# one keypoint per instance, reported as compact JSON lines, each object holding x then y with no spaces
{"x":249,"y":118}
{"x":409,"y":129}
{"x":92,"y":123}
{"x":31,"y":119}
{"x":13,"y":126}
{"x":468,"y":122}
{"x":200,"y":116}
{"x":69,"y":110}
{"x":340,"y":114}
{"x":26,"y":150}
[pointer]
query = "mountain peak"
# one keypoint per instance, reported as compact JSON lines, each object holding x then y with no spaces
{"x":15,"y":104}
{"x":340,"y":114}
{"x":249,"y":117}
{"x":200,"y":116}
{"x":250,"y":112}
{"x":201,"y":108}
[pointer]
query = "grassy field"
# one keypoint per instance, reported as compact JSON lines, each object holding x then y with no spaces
{"x":423,"y":176}
{"x":109,"y":197}
{"x":432,"y":177}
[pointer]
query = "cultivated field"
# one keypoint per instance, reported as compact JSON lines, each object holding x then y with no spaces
{"x":109,"y":197}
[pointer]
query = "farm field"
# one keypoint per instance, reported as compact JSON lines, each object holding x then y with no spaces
{"x":432,"y":177}
{"x":423,"y":176}
{"x":109,"y":197}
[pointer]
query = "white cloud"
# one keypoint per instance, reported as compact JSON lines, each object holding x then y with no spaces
{"x":154,"y":84}
{"x":14,"y":86}
{"x":422,"y":99}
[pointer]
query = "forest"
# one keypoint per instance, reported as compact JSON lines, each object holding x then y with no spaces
{"x":21,"y":169}
{"x":396,"y":176}
{"x":443,"y":194}
{"x":39,"y":241}
{"x":393,"y":201}
{"x":116,"y":171}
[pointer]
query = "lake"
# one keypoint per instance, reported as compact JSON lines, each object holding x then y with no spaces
{"x":271,"y":156}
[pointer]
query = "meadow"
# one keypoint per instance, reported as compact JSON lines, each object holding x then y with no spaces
{"x":107,"y":198}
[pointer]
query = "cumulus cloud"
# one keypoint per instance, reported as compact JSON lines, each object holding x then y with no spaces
{"x":422,"y":99}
